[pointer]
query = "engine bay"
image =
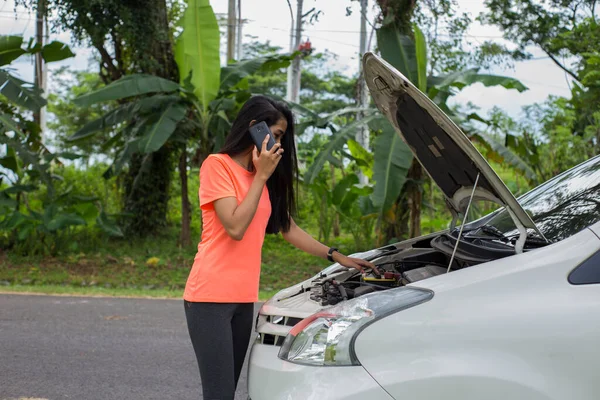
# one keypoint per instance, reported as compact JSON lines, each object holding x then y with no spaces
{"x":394,"y":270}
{"x":402,"y":266}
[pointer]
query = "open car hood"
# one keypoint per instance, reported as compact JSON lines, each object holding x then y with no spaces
{"x":441,"y":147}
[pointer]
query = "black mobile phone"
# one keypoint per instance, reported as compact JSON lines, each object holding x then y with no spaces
{"x":258,"y":132}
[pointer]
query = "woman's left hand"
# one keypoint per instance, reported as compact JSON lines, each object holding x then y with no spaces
{"x":351,"y":262}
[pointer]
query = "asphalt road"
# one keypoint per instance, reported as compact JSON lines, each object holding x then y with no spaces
{"x":55,"y":347}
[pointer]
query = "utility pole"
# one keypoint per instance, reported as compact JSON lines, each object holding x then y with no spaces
{"x":240,"y":22}
{"x":40,"y":73}
{"x":231,"y":25}
{"x":362,"y":136}
{"x":288,"y":89}
{"x":294,"y":71}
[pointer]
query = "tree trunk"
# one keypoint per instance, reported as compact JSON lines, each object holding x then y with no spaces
{"x":336,"y":216}
{"x":39,"y":61}
{"x":394,"y":226}
{"x":184,"y":239}
{"x":362,"y":134}
{"x":147,"y":192}
{"x":231,"y":31}
{"x":148,"y":199}
{"x":431,"y":209}
{"x":294,"y":70}
{"x":415,"y":174}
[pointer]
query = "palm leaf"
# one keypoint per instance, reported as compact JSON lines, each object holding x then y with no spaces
{"x":399,"y":50}
{"x":336,"y":142}
{"x":10,"y":48}
{"x":21,"y":93}
{"x":504,"y":153}
{"x":233,"y":73}
{"x":197,"y":51}
{"x":128,"y":86}
{"x":421,"y":52}
{"x":108,"y":226}
{"x":123,"y":158}
{"x":56,"y":51}
{"x":8,"y":125}
{"x":393,"y":158}
{"x":62,"y":221}
{"x":161,"y":128}
{"x":19,"y":189}
{"x":123,"y":113}
{"x":460,"y":79}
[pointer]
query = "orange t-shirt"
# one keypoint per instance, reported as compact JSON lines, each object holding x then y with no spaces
{"x":226,"y":270}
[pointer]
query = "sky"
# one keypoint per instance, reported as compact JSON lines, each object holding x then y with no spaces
{"x":269,"y":20}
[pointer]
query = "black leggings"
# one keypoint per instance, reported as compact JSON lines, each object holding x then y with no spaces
{"x":220,"y":334}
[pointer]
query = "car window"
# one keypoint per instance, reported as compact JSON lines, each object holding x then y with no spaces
{"x":587,"y":273}
{"x":562,"y":206}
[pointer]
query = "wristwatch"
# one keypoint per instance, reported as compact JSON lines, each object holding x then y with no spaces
{"x":330,"y":253}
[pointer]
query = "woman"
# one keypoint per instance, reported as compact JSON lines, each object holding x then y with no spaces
{"x":244,"y":194}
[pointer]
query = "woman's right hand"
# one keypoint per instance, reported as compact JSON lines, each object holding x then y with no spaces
{"x":266,"y":162}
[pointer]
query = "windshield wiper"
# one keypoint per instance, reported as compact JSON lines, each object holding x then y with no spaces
{"x":489,"y":230}
{"x":492,"y":230}
{"x":532,"y":237}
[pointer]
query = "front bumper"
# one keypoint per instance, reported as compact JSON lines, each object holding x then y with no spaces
{"x":270,"y":378}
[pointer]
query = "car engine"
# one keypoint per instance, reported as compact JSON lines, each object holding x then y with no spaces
{"x":419,"y":260}
{"x":398,"y":269}
{"x":402,"y":266}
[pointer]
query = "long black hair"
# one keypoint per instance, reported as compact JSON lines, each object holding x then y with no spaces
{"x":281,"y":183}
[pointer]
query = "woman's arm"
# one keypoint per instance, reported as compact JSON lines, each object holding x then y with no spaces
{"x":236,"y":218}
{"x":303,"y":241}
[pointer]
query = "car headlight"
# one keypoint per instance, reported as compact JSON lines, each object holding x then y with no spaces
{"x":327,"y":337}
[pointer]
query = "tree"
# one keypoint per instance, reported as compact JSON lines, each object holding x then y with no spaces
{"x":130,"y":37}
{"x":28,"y":166}
{"x":545,"y":24}
{"x":544,"y":138}
{"x":568,"y":32}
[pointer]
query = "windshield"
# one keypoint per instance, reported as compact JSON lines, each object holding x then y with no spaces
{"x":562,"y":206}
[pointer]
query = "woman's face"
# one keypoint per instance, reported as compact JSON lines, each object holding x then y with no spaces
{"x":278,"y":130}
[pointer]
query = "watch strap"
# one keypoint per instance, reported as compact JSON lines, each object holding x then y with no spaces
{"x":330,"y":253}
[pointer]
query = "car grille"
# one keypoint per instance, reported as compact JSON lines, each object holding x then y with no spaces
{"x":287,"y":321}
{"x":268,"y":339}
{"x":272,"y":339}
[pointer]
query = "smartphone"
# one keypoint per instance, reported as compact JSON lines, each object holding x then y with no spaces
{"x":258,"y":132}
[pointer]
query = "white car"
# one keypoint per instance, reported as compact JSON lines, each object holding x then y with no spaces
{"x":505,"y":307}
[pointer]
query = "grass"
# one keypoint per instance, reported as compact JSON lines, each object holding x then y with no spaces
{"x":59,"y":290}
{"x":92,"y":291}
{"x":154,"y":267}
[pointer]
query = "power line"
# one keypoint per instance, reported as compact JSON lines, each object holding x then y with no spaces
{"x":358,"y":32}
{"x":356,"y":47}
{"x":16,"y":16}
{"x":318,"y":37}
{"x":16,"y":12}
{"x":21,"y":19}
